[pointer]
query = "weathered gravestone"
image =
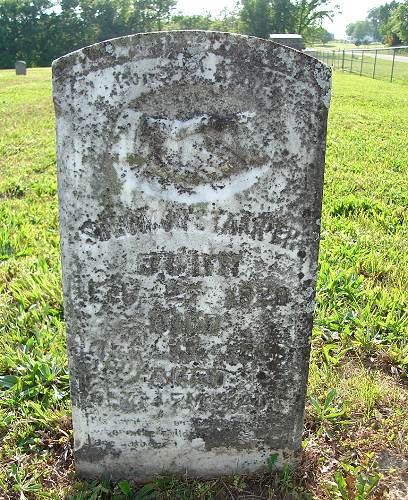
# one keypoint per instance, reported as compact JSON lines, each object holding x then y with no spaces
{"x":21,"y":68}
{"x":190,"y":181}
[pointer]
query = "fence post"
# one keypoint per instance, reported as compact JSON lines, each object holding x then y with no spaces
{"x":333,"y":59}
{"x":362,"y":61}
{"x":393,"y":63}
{"x":351,"y":65}
{"x":342,"y":62}
{"x":375,"y":63}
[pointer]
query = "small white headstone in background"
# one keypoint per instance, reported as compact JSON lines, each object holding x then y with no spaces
{"x":21,"y":68}
{"x":289,"y":40}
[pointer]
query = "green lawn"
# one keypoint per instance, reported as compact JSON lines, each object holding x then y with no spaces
{"x":339,"y":45}
{"x":366,"y":65}
{"x":360,"y":355}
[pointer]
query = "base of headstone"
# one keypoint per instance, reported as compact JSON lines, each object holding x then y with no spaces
{"x":200,"y":464}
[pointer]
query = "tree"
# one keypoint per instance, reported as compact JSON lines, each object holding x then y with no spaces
{"x":263,"y":17}
{"x":255,"y":17}
{"x":23,"y":30}
{"x":322,"y":35}
{"x":182,"y":22}
{"x":38,"y":32}
{"x":360,"y":32}
{"x":227,"y":21}
{"x":399,"y":22}
{"x":283,"y":16}
{"x":326,"y":36}
{"x":379,"y":18}
{"x":310,"y":14}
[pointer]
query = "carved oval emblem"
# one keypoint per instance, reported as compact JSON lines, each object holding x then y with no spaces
{"x":197,"y":146}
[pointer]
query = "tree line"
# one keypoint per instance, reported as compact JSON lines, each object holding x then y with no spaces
{"x":39,"y":31}
{"x":387,"y":23}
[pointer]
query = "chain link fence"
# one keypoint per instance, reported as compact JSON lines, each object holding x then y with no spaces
{"x":383,"y":64}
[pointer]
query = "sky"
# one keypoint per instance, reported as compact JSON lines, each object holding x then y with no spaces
{"x":351,"y":11}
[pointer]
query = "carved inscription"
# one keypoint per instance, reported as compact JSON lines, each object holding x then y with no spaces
{"x":264,"y":226}
{"x":264,"y":293}
{"x":189,"y":263}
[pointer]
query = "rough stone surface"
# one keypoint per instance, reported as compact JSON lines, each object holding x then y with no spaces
{"x":21,"y":68}
{"x":190,"y":181}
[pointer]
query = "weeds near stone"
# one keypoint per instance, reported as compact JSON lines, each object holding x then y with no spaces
{"x":326,"y":411}
{"x":271,"y":461}
{"x":354,"y":487}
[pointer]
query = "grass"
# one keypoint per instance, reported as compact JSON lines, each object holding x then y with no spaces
{"x":355,"y":438}
{"x":380,"y":69}
{"x":339,"y":45}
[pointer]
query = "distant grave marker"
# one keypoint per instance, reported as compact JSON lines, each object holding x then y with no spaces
{"x":190,"y":172}
{"x":21,"y":68}
{"x":289,"y":40}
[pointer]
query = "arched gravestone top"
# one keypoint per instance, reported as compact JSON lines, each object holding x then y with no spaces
{"x":190,"y":170}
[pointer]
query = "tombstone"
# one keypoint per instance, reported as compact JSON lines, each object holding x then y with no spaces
{"x":190,"y":170}
{"x":289,"y":40}
{"x":21,"y":68}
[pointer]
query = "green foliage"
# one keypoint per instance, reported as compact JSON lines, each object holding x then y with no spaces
{"x":355,"y":486}
{"x":310,"y":14}
{"x":226,"y":21}
{"x":256,"y":17}
{"x":387,"y":23}
{"x":379,"y":18}
{"x":95,"y":490}
{"x":24,"y":26}
{"x":182,"y":22}
{"x":286,"y":479}
{"x":270,"y":463}
{"x":262,"y":17}
{"x":398,"y":23}
{"x":23,"y":483}
{"x":41,"y":30}
{"x":324,"y":36}
{"x":283,"y":16}
{"x":360,"y":31}
{"x":362,"y":302}
{"x":327,"y":411}
{"x":125,"y":487}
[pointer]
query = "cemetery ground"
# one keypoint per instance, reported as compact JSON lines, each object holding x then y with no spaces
{"x":356,"y":430}
{"x":341,"y":45}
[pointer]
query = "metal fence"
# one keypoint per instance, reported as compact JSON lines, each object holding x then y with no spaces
{"x":383,"y":64}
